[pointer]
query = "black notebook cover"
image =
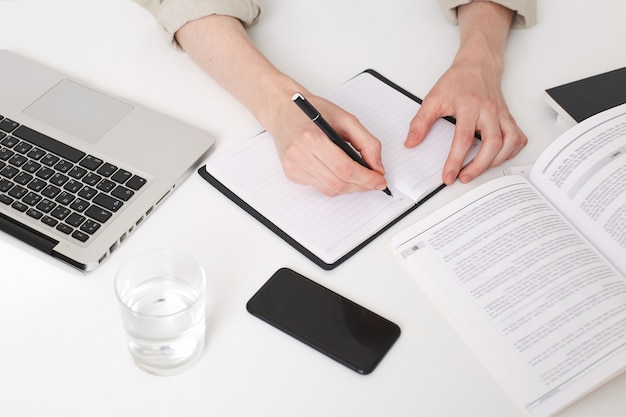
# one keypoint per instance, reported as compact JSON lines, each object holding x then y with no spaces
{"x":578,"y":100}
{"x":285,"y":236}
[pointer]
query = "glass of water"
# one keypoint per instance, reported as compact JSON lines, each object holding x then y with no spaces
{"x":162,"y":297}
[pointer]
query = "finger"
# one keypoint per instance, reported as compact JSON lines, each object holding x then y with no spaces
{"x":421,"y":123}
{"x":370,"y":148}
{"x":461,"y":144}
{"x":491,"y":147}
{"x":349,"y":175}
{"x":513,"y":141}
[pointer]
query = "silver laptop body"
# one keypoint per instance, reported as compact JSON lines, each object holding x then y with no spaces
{"x":85,"y":125}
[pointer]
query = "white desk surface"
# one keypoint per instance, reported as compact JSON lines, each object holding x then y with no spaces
{"x":62,"y":349}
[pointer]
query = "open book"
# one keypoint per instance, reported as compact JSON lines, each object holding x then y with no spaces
{"x":532,"y":272}
{"x":328,"y":230}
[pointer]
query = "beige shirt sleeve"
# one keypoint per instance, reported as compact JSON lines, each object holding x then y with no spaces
{"x":173,"y":14}
{"x":525,"y":16}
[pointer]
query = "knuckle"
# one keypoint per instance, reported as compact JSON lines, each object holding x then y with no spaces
{"x":334,"y":188}
{"x":344,"y":171}
{"x":466,"y":137}
{"x":291,"y":154}
{"x":350,"y":119}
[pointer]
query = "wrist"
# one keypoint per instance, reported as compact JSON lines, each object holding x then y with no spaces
{"x":274,"y":96}
{"x":476,"y":51}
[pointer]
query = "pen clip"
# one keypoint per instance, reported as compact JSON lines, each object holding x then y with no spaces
{"x":306,"y":107}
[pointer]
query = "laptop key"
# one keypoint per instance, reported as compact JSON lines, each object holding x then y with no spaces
{"x":37,"y":185}
{"x":50,"y":159}
{"x":91,"y":179}
{"x":31,"y":166}
{"x":77,"y":172}
{"x":60,"y":212}
{"x":87,"y":192}
{"x":108,"y":202}
{"x":46,"y":205}
{"x":75,"y":219}
{"x":99,"y":214}
{"x":18,"y":192}
{"x":23,"y":147}
{"x":122,"y":193}
{"x":5,"y":185}
{"x":106,"y":170}
{"x":19,"y":206}
{"x":63,"y":228}
{"x":6,"y":153}
{"x":90,"y":227}
{"x":105,"y":185}
{"x":9,"y":141}
{"x":78,"y":235}
{"x":17,"y":160}
{"x":36,"y":153}
{"x":65,"y":198}
{"x":45,"y":173}
{"x":49,"y":144}
{"x":79,"y":205}
{"x":34,"y":213}
{"x":121,"y":176}
{"x":8,"y":125}
{"x":136,"y":182}
{"x":63,"y":166}
{"x":50,"y":191}
{"x":5,"y":199}
{"x":91,"y":162}
{"x":31,"y":198}
{"x":9,"y":171}
{"x":72,"y":186}
{"x":59,"y":179}
{"x":22,"y":178}
{"x":49,"y":221}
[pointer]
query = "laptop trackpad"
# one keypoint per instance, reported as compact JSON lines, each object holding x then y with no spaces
{"x":78,"y":110}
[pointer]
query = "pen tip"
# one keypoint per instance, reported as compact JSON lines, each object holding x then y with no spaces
{"x":386,"y":191}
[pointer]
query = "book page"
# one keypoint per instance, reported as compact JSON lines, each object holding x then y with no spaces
{"x":539,"y":305}
{"x":584,"y":174}
{"x":332,"y":226}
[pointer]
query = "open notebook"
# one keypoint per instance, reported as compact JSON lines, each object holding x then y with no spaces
{"x":328,"y":230}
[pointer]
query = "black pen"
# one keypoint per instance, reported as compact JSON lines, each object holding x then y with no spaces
{"x":317,"y":118}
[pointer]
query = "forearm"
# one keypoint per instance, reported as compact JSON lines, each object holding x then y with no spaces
{"x":222,"y":48}
{"x":483,"y":27}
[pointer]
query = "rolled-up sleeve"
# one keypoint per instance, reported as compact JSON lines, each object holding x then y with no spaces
{"x":525,"y":10}
{"x":171,"y":15}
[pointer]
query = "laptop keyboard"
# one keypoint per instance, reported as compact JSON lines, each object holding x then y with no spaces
{"x":69,"y":191}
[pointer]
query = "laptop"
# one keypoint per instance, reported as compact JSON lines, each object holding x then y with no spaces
{"x":81,"y":169}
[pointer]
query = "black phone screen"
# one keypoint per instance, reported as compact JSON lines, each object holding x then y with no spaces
{"x":324,"y":320}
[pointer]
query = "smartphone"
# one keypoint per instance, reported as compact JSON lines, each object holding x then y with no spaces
{"x":326,"y":321}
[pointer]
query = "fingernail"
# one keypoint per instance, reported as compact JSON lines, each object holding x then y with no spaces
{"x":381,"y":187}
{"x":465,"y":179}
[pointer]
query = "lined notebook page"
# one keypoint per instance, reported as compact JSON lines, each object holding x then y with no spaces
{"x":332,"y":226}
{"x":386,"y":113}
